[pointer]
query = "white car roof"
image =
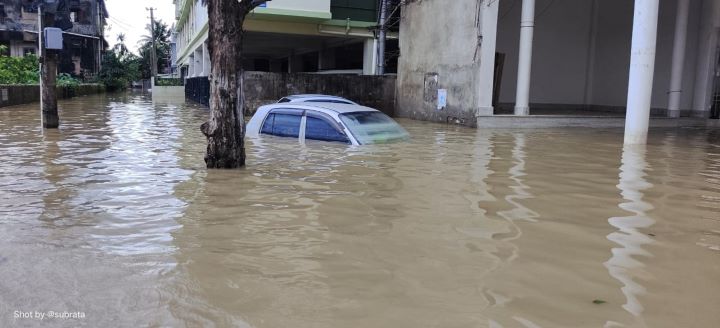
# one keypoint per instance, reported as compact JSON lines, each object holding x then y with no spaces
{"x":315,"y":97}
{"x":312,"y":95}
{"x":330,"y":108}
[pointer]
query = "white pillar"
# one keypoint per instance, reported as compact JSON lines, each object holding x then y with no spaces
{"x":678,"y":59}
{"x":527,"y":25}
{"x":642,"y":67}
{"x":191,"y":65}
{"x":370,"y":57}
{"x":206,"y":60}
{"x":198,"y":62}
{"x":486,"y":59}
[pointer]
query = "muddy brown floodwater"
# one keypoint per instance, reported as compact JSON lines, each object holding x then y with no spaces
{"x":114,"y":216}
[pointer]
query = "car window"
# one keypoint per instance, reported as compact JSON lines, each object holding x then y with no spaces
{"x":320,"y":129}
{"x":373,"y":127}
{"x":282,"y":125}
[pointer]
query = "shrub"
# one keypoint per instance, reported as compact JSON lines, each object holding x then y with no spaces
{"x":19,"y":70}
{"x":168,"y":82}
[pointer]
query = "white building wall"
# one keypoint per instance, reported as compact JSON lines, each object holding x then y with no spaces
{"x":201,"y":16}
{"x":308,"y":5}
{"x":192,"y":33}
{"x":562,"y":47}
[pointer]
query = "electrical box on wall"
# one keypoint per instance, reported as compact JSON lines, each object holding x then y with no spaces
{"x":53,"y":38}
{"x":442,"y":99}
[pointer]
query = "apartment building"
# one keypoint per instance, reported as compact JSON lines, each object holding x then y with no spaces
{"x":325,"y":36}
{"x":83,"y":41}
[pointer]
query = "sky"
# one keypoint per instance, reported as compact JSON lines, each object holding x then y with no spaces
{"x":131,"y":18}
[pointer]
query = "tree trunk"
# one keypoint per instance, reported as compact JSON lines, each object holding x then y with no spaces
{"x":48,"y":74}
{"x":51,"y":119}
{"x":225,"y":131}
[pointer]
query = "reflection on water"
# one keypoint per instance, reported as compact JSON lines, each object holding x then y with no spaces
{"x":625,"y":265}
{"x":114,"y":215}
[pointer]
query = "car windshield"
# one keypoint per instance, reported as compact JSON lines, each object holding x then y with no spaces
{"x":373,"y":127}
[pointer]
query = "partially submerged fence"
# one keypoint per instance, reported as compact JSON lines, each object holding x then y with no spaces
{"x":11,"y":95}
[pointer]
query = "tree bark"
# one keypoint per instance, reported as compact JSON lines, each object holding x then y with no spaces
{"x":225,"y":131}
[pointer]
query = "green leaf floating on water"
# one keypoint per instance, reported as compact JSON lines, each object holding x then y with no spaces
{"x":599,"y":302}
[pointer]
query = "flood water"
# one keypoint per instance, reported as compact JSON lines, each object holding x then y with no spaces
{"x":115,"y":216}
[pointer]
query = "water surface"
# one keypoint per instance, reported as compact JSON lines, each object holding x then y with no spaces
{"x":115,"y":215}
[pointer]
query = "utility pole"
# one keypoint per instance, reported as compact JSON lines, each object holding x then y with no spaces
{"x":382,"y":36}
{"x":48,"y":74}
{"x":153,"y":67}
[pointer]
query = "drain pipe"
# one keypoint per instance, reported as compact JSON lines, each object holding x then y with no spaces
{"x":678,"y":58}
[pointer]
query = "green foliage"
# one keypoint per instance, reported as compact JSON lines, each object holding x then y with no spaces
{"x":162,"y":44}
{"x":119,"y":67}
{"x":66,"y":80}
{"x":166,"y":82}
{"x":18,"y":70}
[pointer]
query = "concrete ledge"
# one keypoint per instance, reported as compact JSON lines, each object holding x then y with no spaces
{"x":168,"y":92}
{"x":556,"y":121}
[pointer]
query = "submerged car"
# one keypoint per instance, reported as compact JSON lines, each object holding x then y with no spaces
{"x":334,"y":122}
{"x":314,"y":98}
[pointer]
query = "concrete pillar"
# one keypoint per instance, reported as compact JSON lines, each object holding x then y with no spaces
{"x":642,"y":68}
{"x":527,"y":25}
{"x":206,"y":60}
{"x":707,"y":58}
{"x":370,"y":57}
{"x":486,"y":59}
{"x":191,"y":66}
{"x":198,"y":62}
{"x":678,"y":59}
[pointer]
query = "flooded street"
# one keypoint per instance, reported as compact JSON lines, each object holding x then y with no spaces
{"x":115,"y":216}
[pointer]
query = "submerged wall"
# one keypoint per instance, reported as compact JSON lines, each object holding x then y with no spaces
{"x":262,"y":88}
{"x":11,"y":95}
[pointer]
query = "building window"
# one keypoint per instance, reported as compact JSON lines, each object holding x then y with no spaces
{"x":3,"y":14}
{"x":28,"y":51}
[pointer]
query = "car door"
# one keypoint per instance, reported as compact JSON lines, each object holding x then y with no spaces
{"x":285,"y":122}
{"x":319,"y":126}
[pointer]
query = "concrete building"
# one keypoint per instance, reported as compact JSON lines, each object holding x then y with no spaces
{"x":83,"y":41}
{"x":328,"y":36}
{"x":529,"y":57}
